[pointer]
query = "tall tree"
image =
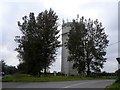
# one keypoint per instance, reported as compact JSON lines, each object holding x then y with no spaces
{"x":87,"y":44}
{"x":47,"y":22}
{"x":39,"y":41}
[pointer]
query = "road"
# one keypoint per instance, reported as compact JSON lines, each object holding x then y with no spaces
{"x":60,"y":85}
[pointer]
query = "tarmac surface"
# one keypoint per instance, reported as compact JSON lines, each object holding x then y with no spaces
{"x":60,"y":85}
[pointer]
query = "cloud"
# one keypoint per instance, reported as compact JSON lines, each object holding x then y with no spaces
{"x":110,"y":66}
{"x":56,"y":66}
{"x":9,"y":56}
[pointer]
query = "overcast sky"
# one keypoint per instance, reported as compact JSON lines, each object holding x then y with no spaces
{"x":11,"y":11}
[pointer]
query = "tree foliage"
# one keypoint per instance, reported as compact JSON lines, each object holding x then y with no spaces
{"x":22,"y":68}
{"x":87,"y":42}
{"x":39,"y":41}
{"x":7,"y":69}
{"x":118,"y":74}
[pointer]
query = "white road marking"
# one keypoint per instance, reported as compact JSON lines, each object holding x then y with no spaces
{"x":74,"y":85}
{"x":69,"y":86}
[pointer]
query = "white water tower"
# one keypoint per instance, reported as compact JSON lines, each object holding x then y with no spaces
{"x":66,"y":66}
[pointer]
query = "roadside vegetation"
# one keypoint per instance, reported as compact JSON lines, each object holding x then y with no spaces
{"x":50,"y":78}
{"x":116,"y":85}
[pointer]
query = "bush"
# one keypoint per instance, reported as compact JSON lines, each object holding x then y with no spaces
{"x":118,"y":75}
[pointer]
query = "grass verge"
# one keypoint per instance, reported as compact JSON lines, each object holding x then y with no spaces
{"x":115,"y":86}
{"x":28,"y":78}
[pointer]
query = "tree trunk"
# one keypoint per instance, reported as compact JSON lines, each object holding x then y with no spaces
{"x":88,"y":69}
{"x":88,"y":64}
{"x":45,"y":71}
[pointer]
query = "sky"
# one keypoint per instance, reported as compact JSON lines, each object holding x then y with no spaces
{"x":11,"y":11}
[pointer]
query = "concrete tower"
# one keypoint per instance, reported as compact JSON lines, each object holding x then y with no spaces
{"x":66,"y":66}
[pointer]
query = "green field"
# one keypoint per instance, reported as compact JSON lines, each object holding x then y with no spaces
{"x":28,"y":78}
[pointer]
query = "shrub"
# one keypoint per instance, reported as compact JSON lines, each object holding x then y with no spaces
{"x":118,"y":75}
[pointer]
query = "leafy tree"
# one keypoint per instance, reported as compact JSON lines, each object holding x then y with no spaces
{"x":75,"y":46}
{"x":39,"y":41}
{"x":22,"y":68}
{"x":2,"y":65}
{"x":47,"y":22}
{"x":7,"y":69}
{"x":11,"y":70}
{"x":118,"y":75}
{"x":87,"y":44}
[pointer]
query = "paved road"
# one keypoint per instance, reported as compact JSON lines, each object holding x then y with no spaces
{"x":63,"y":85}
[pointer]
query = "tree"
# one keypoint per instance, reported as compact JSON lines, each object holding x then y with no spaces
{"x":2,"y":65}
{"x":39,"y":41}
{"x":11,"y":70}
{"x":87,"y":44}
{"x":22,"y":68}
{"x":7,"y":69}
{"x":118,"y":75}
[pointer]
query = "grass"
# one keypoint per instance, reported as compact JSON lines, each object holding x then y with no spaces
{"x":28,"y":78}
{"x":115,"y":86}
